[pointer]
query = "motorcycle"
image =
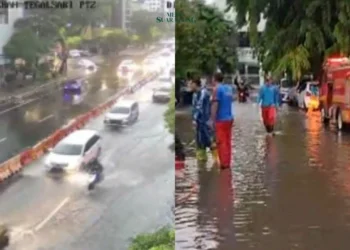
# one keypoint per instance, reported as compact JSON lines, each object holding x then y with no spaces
{"x":95,"y":176}
{"x":242,"y":95}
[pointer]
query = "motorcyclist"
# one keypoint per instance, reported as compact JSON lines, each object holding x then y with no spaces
{"x":242,"y":88}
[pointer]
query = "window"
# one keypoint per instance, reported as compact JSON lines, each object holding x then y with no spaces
{"x":120,"y":110}
{"x":91,"y":143}
{"x":67,"y":149}
{"x":4,"y":16}
{"x":254,"y":70}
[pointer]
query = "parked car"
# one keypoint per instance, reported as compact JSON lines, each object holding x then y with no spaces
{"x":308,"y":95}
{"x":74,"y":152}
{"x":122,"y":113}
{"x":162,"y":94}
{"x":286,"y":87}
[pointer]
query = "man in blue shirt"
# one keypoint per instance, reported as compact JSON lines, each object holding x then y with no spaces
{"x":269,"y":100}
{"x":222,"y":116}
{"x":200,"y":118}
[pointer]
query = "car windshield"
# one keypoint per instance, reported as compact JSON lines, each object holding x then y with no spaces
{"x":67,"y":149}
{"x":120,"y":110}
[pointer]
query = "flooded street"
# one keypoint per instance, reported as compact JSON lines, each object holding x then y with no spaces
{"x":288,"y":192}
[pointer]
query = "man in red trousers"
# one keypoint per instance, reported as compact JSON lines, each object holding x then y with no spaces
{"x":222,"y":117}
{"x":269,"y":101}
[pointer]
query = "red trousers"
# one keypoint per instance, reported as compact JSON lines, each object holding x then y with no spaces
{"x":268,"y":115}
{"x":223,"y":130}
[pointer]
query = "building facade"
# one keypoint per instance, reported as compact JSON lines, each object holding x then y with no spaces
{"x":248,"y":63}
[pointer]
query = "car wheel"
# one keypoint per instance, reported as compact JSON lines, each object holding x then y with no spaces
{"x":339,"y":121}
{"x":324,"y":117}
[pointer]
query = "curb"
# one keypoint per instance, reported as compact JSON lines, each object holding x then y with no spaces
{"x":14,"y":165}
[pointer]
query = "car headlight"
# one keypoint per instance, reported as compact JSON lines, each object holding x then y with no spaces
{"x":73,"y":165}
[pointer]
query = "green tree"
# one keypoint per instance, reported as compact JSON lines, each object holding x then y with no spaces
{"x":299,"y":34}
{"x":114,"y":40}
{"x":73,"y":42}
{"x":143,"y":24}
{"x":206,"y":42}
{"x":163,"y":239}
{"x":27,"y":46}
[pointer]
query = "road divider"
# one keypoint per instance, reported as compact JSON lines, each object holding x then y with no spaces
{"x":17,"y":163}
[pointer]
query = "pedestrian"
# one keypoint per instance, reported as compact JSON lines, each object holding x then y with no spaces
{"x":222,"y":116}
{"x":201,"y":119}
{"x":269,"y":101}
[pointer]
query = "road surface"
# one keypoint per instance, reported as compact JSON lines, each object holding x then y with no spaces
{"x":136,"y":196}
{"x":25,"y":124}
{"x":287,"y":192}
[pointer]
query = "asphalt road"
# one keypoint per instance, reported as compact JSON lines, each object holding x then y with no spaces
{"x":136,"y":196}
{"x":25,"y":124}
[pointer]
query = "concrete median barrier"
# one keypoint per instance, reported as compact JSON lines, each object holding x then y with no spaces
{"x":17,"y":163}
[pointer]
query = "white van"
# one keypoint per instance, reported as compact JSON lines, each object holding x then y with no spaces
{"x":122,"y":113}
{"x":75,"y":151}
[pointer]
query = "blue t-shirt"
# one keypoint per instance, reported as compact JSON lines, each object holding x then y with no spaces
{"x":268,"y":96}
{"x":223,"y":94}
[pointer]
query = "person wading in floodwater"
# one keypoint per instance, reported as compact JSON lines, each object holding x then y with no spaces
{"x":269,"y":101}
{"x":201,"y":120}
{"x":222,"y":116}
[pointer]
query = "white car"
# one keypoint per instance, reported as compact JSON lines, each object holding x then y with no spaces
{"x":127,"y":68}
{"x":305,"y":92}
{"x":74,"y":53}
{"x":166,"y":77}
{"x":151,"y":65}
{"x":74,"y":152}
{"x":123,"y":113}
{"x":88,"y":65}
{"x":162,"y":94}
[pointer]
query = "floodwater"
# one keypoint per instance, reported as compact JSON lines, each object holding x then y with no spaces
{"x":288,"y":192}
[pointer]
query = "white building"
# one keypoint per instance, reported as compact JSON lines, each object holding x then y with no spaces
{"x":7,"y":19}
{"x":154,"y":5}
{"x":248,"y":62}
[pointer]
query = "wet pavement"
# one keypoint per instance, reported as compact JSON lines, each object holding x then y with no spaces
{"x":136,"y":196}
{"x":291,"y":191}
{"x":23,"y":125}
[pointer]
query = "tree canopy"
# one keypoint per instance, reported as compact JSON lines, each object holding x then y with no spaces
{"x":204,"y":39}
{"x":78,"y":28}
{"x":299,"y":33}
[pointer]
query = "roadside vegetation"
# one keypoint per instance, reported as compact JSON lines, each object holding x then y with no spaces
{"x":163,"y":239}
{"x":210,"y":41}
{"x":170,"y":113}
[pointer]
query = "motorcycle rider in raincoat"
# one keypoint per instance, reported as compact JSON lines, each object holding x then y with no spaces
{"x":201,"y":119}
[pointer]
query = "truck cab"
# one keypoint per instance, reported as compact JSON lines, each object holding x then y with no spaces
{"x":335,"y":92}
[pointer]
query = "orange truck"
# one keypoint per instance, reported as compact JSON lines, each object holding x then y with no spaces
{"x":335,"y":92}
